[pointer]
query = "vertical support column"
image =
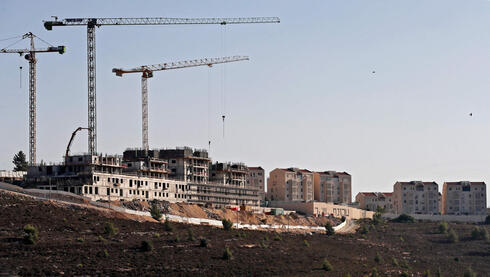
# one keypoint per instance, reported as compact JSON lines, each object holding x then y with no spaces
{"x":32,"y":108}
{"x":92,"y":107}
{"x":144,"y":110}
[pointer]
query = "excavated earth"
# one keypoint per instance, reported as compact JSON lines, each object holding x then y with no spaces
{"x":72,"y":241}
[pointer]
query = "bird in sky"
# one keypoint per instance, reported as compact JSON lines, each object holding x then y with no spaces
{"x":471,"y":114}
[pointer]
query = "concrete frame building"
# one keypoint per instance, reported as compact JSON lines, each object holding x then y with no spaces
{"x":290,"y":184}
{"x":370,"y":201}
{"x":233,"y":174}
{"x":175,"y":175}
{"x":333,"y":187}
{"x":464,"y":198}
{"x":256,"y":179}
{"x":416,"y":197}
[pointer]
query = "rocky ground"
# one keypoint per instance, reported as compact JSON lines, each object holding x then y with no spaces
{"x":73,"y":240}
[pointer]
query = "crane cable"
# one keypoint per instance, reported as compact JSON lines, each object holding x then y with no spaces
{"x":209,"y":109}
{"x":223,"y":78}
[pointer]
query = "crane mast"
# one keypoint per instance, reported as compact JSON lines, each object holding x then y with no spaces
{"x":91,"y":23}
{"x":147,"y":72}
{"x":31,"y":57}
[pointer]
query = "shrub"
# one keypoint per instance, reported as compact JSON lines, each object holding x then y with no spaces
{"x":427,"y":273}
{"x":106,"y":254}
{"x":374,"y":273}
{"x":479,"y":233}
{"x":329,"y":229}
{"x":443,"y":227}
{"x":404,"y":218}
{"x":364,"y":229}
{"x":227,"y":224}
{"x":146,"y":246}
{"x":469,"y":272}
{"x":452,"y":236}
{"x":263,"y":245}
{"x":326,"y":265}
{"x":156,"y":235}
{"x":80,"y":239}
{"x":487,"y":220}
{"x":404,"y":274}
{"x":377,"y":219}
{"x":378,"y":258}
{"x":277,"y":237}
{"x":177,"y":238}
{"x":438,"y":272}
{"x":31,"y":234}
{"x":395,"y":262}
{"x":190,"y":235}
{"x":227,"y":254}
{"x":167,"y":226}
{"x":343,"y":218}
{"x":306,"y":243}
{"x":155,"y":212}
{"x":203,"y":242}
{"x":266,"y":238}
{"x":402,"y":239}
{"x":109,"y":229}
{"x":101,"y":239}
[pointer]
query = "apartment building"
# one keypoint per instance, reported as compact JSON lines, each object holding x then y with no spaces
{"x":256,"y":179}
{"x":464,"y":198}
{"x":371,"y":201}
{"x":234,"y":174}
{"x":175,"y":175}
{"x":416,"y":197}
{"x":290,"y":184}
{"x":333,"y":187}
{"x":187,"y":164}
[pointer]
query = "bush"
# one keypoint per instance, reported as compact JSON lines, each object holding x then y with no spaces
{"x":190,"y":235}
{"x":31,"y":234}
{"x":203,"y":242}
{"x":329,"y":229}
{"x":374,"y":273}
{"x":427,"y":273}
{"x":438,"y":272}
{"x":227,"y":224}
{"x":156,"y":235}
{"x":146,"y":246}
{"x":443,"y":227}
{"x":277,"y":237}
{"x":404,"y":274}
{"x":404,"y":218}
{"x":343,"y":218}
{"x":378,"y":258}
{"x":306,"y":243}
{"x":109,"y":229}
{"x":177,"y":238}
{"x":469,"y":272}
{"x":377,"y":219}
{"x":167,"y":226}
{"x":155,"y":212}
{"x":452,"y":236}
{"x":227,"y":254}
{"x":364,"y":229}
{"x":395,"y":262}
{"x":479,"y":233}
{"x":326,"y":265}
{"x":80,"y":239}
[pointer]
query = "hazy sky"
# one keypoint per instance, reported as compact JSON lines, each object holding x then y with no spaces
{"x":307,"y":98}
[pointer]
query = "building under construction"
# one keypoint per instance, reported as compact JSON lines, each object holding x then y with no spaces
{"x":175,"y":175}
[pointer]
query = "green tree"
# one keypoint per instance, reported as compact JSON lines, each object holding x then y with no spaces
{"x":155,"y":212}
{"x":20,"y":162}
{"x":329,"y":229}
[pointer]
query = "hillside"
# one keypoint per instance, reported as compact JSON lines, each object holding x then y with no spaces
{"x":72,"y":241}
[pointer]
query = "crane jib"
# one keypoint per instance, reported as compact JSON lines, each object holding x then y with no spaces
{"x":157,"y":21}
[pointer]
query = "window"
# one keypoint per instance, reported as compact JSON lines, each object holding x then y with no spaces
{"x":130,"y":183}
{"x":108,"y":191}
{"x":96,"y":190}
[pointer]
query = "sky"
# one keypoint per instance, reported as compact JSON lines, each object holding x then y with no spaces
{"x":382,"y":89}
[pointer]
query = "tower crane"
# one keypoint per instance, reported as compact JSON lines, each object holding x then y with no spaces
{"x":147,"y":72}
{"x":91,"y":23}
{"x":31,"y":57}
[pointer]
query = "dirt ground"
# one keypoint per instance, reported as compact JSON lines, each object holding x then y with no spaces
{"x":72,"y":241}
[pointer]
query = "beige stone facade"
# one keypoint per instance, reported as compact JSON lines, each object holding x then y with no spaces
{"x":464,"y":198}
{"x":416,"y":197}
{"x":333,"y":187}
{"x":256,"y":179}
{"x":323,"y":209}
{"x":290,"y":184}
{"x":372,"y":200}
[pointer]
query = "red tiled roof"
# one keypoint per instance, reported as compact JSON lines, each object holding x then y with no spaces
{"x":460,"y":183}
{"x":418,"y":182}
{"x":255,"y":167}
{"x":368,"y":193}
{"x":388,"y":193}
